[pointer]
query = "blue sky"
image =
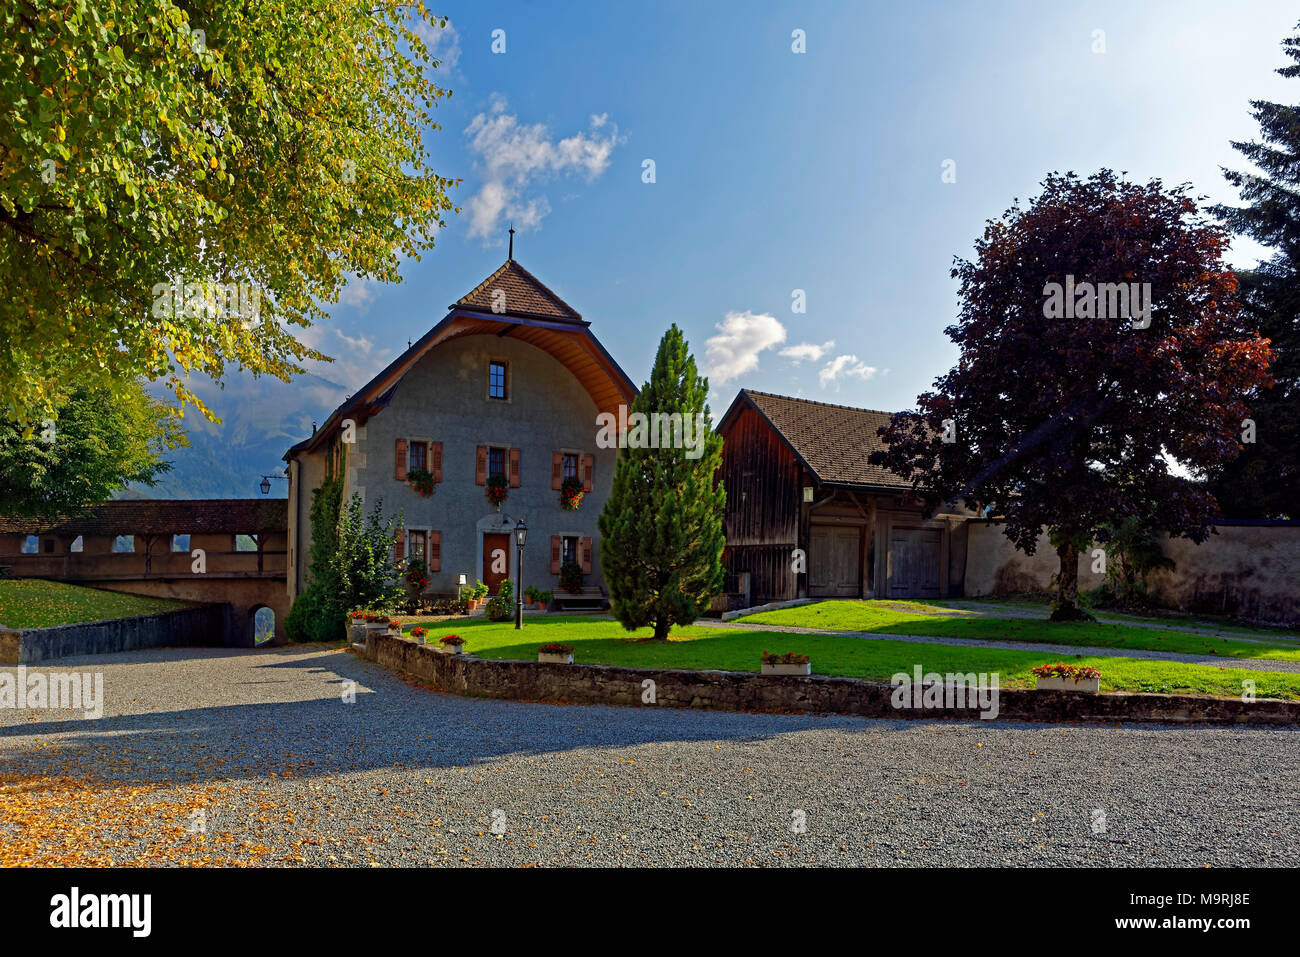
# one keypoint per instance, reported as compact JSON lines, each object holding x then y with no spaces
{"x":778,"y":171}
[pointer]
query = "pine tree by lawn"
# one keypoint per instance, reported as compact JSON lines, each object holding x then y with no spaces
{"x":1262,"y":481}
{"x":661,"y":530}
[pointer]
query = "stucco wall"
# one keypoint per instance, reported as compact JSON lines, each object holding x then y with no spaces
{"x":1250,"y":571}
{"x":443,"y":398}
{"x":203,"y":625}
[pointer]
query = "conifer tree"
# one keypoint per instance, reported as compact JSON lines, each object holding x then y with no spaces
{"x":661,"y":529}
{"x":1261,"y":482}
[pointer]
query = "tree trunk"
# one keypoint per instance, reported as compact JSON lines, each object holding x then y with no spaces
{"x":1067,"y":584}
{"x":661,"y":629}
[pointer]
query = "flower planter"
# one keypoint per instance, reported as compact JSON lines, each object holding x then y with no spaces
{"x":797,"y":669}
{"x":1085,"y":685}
{"x":357,"y":630}
{"x":552,"y":659}
{"x":376,"y":628}
{"x":451,"y":649}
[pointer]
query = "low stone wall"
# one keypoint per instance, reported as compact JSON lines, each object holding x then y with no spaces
{"x":1249,"y":570}
{"x":744,"y":691}
{"x":201,"y":625}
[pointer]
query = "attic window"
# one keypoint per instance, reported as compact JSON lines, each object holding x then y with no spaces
{"x":496,"y":379}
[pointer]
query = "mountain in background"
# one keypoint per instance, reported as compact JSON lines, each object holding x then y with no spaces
{"x":261,"y":419}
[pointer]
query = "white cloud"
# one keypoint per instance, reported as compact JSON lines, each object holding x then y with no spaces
{"x":356,"y":359}
{"x":807,"y":350}
{"x":843,"y":367}
{"x":741,"y":337}
{"x":513,"y":157}
{"x":358,"y":293}
{"x":443,"y":43}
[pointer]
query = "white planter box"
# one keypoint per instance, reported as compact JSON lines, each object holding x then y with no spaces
{"x":803,"y":669}
{"x":357,"y":630}
{"x":451,"y":649}
{"x":1087,"y":685}
{"x":555,"y":659}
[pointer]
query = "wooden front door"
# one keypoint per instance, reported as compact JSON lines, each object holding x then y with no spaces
{"x":914,"y":555}
{"x":496,"y":560}
{"x":834,"y":570}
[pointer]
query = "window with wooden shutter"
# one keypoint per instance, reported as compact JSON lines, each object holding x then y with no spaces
{"x":399,"y":545}
{"x":480,"y":466}
{"x":435,"y":460}
{"x":418,"y":457}
{"x":514,"y":468}
{"x":586,"y":556}
{"x":557,"y":464}
{"x":400,"y":461}
{"x":435,"y":551}
{"x":588,"y":472}
{"x":556,"y":551}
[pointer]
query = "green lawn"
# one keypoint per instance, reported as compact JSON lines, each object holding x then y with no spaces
{"x":914,"y":618}
{"x":600,"y":641}
{"x":35,"y":603}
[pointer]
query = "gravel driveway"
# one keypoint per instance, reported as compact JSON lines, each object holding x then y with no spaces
{"x":285,"y":772}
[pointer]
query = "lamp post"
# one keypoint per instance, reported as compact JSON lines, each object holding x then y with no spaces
{"x":521,"y":536}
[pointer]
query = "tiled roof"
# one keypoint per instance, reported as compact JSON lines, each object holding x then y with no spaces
{"x":200,"y":516}
{"x":525,"y":295}
{"x":834,"y":440}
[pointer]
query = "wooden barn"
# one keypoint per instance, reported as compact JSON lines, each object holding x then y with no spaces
{"x":799,"y":486}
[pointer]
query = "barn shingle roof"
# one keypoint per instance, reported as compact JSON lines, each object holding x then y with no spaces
{"x":833,"y":440}
{"x":202,"y":516}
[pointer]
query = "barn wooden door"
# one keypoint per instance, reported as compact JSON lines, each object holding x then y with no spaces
{"x":834,"y":567}
{"x":914,"y":562}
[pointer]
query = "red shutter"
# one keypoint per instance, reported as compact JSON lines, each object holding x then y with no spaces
{"x":400,"y":461}
{"x":557,"y":470}
{"x":399,"y":543}
{"x":586,"y":556}
{"x":480,"y":466}
{"x":435,"y":552}
{"x":514,"y":468}
{"x":435,"y":460}
{"x":588,"y":472}
{"x":557,"y":549}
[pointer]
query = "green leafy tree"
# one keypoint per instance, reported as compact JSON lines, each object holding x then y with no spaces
{"x":100,"y":442}
{"x":1133,"y":551}
{"x":1262,"y":481}
{"x":661,"y":529}
{"x":147,"y":142}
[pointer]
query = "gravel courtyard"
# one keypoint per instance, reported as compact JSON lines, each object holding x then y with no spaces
{"x":212,"y":756}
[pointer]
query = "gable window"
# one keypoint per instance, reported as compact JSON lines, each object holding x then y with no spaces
{"x":245,"y":543}
{"x":124,"y":543}
{"x":181,"y":543}
{"x":496,"y":379}
{"x":77,"y":545}
{"x":570,"y":465}
{"x":496,"y":461}
{"x":31,"y":545}
{"x":418,"y":457}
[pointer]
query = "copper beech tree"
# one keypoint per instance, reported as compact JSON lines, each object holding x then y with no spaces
{"x":1099,"y":339}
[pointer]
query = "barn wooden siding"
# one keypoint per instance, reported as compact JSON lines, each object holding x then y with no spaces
{"x":764,"y":486}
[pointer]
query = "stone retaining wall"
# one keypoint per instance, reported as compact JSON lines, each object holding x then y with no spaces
{"x":745,"y":691}
{"x":201,"y":625}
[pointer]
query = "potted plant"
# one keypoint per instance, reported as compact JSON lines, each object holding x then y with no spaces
{"x":1063,"y":677}
{"x":789,"y":663}
{"x":376,"y":623}
{"x":419,"y":633}
{"x":554,"y":653}
{"x":571,"y":577}
{"x":451,"y":644}
{"x":416,"y":575}
{"x":357,"y":625}
{"x":497,"y":489}
{"x":394,"y":626}
{"x":571,"y":492}
{"x":474,"y":596}
{"x":543,"y":599}
{"x":422,"y":481}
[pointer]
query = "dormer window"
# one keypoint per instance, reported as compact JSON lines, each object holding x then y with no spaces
{"x":497,"y":370}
